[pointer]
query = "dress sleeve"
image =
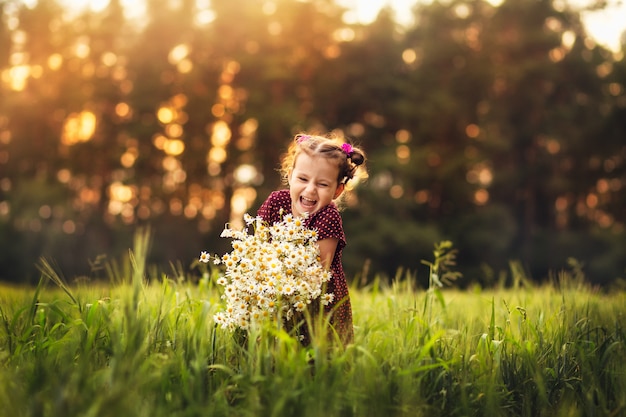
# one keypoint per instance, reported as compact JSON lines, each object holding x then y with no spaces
{"x":329,"y":225}
{"x":275,"y":206}
{"x":266,"y":210}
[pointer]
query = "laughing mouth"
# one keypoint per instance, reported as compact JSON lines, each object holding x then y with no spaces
{"x":307,"y":203}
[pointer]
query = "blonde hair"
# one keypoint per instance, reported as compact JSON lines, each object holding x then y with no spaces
{"x":350,"y":159}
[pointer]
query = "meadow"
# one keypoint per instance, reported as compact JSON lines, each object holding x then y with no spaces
{"x":134,"y":346}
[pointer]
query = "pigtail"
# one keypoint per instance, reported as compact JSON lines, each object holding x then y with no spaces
{"x":354,"y":166}
{"x":356,"y":157}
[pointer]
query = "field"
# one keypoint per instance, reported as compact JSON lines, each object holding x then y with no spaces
{"x":133,"y":348}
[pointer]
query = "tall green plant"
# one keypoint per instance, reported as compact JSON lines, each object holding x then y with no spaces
{"x":439,"y":274}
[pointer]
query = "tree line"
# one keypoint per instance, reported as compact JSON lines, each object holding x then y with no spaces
{"x":498,"y":128}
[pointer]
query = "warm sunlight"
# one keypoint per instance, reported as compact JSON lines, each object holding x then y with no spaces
{"x":132,"y":8}
{"x":365,"y":11}
{"x":608,"y":25}
{"x":605,"y":26}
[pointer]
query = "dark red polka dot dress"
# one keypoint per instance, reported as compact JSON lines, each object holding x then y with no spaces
{"x":328,"y":224}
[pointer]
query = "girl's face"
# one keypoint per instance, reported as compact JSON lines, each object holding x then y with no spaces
{"x":313,"y":184}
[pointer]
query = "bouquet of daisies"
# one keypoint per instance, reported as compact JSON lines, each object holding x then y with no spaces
{"x":271,"y":273}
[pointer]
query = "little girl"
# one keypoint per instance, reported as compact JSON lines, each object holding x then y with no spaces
{"x":317,"y":170}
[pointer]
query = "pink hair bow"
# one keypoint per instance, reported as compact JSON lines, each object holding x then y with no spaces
{"x":347,"y":148}
{"x":302,"y":138}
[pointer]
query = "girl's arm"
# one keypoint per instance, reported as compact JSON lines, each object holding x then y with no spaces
{"x":327,"y":247}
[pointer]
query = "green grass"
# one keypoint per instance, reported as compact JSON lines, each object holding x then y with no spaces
{"x":133,"y":348}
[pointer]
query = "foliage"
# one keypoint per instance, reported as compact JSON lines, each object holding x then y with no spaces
{"x":499,"y":128}
{"x":150,"y":348}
